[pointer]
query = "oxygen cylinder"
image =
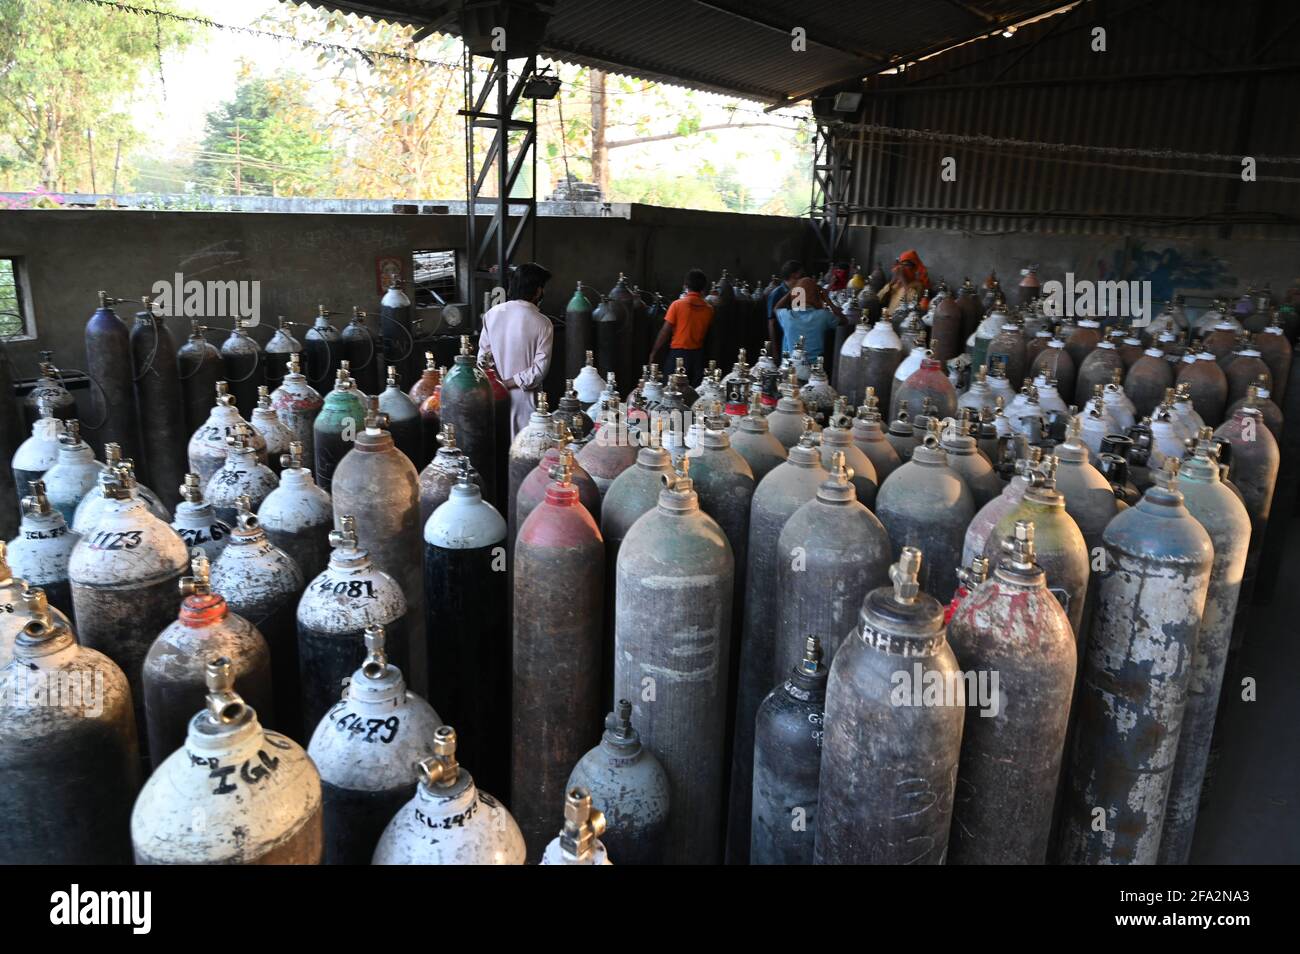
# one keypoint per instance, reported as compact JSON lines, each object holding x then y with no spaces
{"x":466,"y":591}
{"x":364,"y":748}
{"x":837,"y":438}
{"x":1134,"y":689}
{"x":335,"y":427}
{"x":610,"y":451}
{"x":675,"y":579}
{"x":587,"y":380}
{"x":557,"y":646}
{"x":72,"y":770}
{"x":449,"y":821}
{"x":468,"y":405}
{"x":395,"y":326}
{"x":1268,"y":408}
{"x":437,"y":479}
{"x":830,"y":554}
{"x":881,"y":354}
{"x":296,"y":404}
{"x":403,"y":419}
{"x":985,"y":332}
{"x":1089,"y":498}
{"x":357,"y":348}
{"x":175,"y":668}
{"x":1275,"y":351}
{"x":1012,"y":628}
{"x":267,"y":424}
{"x":502,"y":422}
{"x":39,"y":452}
{"x":570,"y":410}
{"x":752,"y":440}
{"x":112,"y":393}
{"x":199,"y":368}
{"x":159,"y":396}
{"x":48,"y":387}
{"x":276,"y":816}
{"x":946,"y":338}
{"x":1097,"y":370}
{"x":1247,"y":368}
{"x":625,"y":777}
{"x":578,"y":842}
{"x":525,"y":453}
{"x":1085,"y":337}
{"x":869,"y":437}
{"x":425,"y":394}
{"x":1254,"y":465}
{"x":533,"y":490}
{"x":890,"y":750}
{"x":124,"y":577}
{"x":783,"y":491}
{"x":1146,"y":381}
{"x":278,"y":351}
{"x":12,"y":619}
{"x":322,"y":350}
{"x":787,"y":764}
{"x":1055,"y":361}
{"x":925,"y":504}
{"x":197,"y":523}
{"x":964,"y":456}
{"x":1008,"y":350}
{"x":262,"y":584}
{"x":927,"y":381}
{"x":786,"y":423}
{"x":297,"y":515}
{"x":347,"y":596}
{"x":377,"y":484}
{"x":39,"y":554}
{"x":1223,"y":516}
{"x":850,"y":367}
{"x":74,"y":474}
{"x":207,"y":447}
{"x":11,"y":436}
{"x":243,"y":367}
{"x":1207,"y":383}
{"x":240,"y":475}
{"x":579,"y":338}
{"x":92,"y":505}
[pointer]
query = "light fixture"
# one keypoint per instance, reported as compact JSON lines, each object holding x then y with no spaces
{"x":544,"y":84}
{"x":847,"y":102}
{"x":1009,"y":32}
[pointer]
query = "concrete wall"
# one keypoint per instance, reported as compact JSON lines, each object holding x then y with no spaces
{"x":302,"y":259}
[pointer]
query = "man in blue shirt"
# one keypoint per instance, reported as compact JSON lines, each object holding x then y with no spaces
{"x":791,"y":272}
{"x":806,"y":312}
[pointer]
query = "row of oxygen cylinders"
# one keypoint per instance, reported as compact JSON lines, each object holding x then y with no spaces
{"x":693,"y":667}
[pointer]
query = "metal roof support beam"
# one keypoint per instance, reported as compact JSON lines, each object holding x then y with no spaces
{"x":784,"y":28}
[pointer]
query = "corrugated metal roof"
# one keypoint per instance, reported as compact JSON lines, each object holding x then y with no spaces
{"x":742,"y":47}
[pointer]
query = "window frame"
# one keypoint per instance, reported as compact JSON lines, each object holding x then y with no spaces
{"x":23,"y":292}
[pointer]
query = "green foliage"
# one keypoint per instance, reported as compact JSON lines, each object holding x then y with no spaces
{"x":66,"y":68}
{"x":668,"y":189}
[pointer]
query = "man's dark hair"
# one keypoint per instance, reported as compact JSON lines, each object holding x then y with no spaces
{"x":696,"y":280}
{"x":791,"y":268}
{"x":526,"y":279}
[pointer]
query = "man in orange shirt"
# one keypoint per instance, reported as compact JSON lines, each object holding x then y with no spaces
{"x":687,"y":321}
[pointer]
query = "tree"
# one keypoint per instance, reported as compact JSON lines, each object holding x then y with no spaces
{"x":68,"y":68}
{"x":266,"y":141}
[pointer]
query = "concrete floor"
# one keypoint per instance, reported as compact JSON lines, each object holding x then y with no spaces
{"x":1249,"y":815}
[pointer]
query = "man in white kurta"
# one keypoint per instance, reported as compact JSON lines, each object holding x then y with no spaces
{"x":520,"y":339}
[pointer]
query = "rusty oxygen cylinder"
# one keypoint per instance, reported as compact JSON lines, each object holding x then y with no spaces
{"x":39,"y":554}
{"x":783,"y":491}
{"x":578,"y":842}
{"x":243,"y":367}
{"x":450,"y":821}
{"x":403,"y":420}
{"x":364,"y":748}
{"x":502,"y":421}
{"x":322,"y":351}
{"x":278,"y":352}
{"x":890,"y":748}
{"x":240,"y":475}
{"x":1207,"y":383}
{"x":1011,"y":629}
{"x":377,"y":484}
{"x":626,"y":778}
{"x":296,"y":403}
{"x":925,"y":504}
{"x":175,"y":668}
{"x":787,"y":764}
{"x":272,"y":430}
{"x":125,"y":577}
{"x":207,"y":447}
{"x":163,"y":429}
{"x":831,"y":553}
{"x":533,"y":489}
{"x":341,"y":415}
{"x":525,"y":454}
{"x":199,"y":369}
{"x":262,"y":584}
{"x":466,"y":592}
{"x":425,"y":393}
{"x":297,"y":515}
{"x":1153,"y":585}
{"x":610,"y":451}
{"x":557,"y":646}
{"x":357,"y":347}
{"x":1253,"y":470}
{"x":196,"y":521}
{"x":112,"y":392}
{"x":274,"y":816}
{"x":1225,"y":519}
{"x":752,"y":440}
{"x":437,"y":479}
{"x":38,"y":453}
{"x":72,"y":770}
{"x":336,"y":607}
{"x":672,"y":640}
{"x":468,"y":404}
{"x":74,"y":474}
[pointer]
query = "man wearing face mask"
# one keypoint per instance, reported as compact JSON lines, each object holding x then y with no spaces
{"x":520,"y":340}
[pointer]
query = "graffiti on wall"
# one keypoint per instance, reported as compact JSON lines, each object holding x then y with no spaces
{"x":1169,"y":270}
